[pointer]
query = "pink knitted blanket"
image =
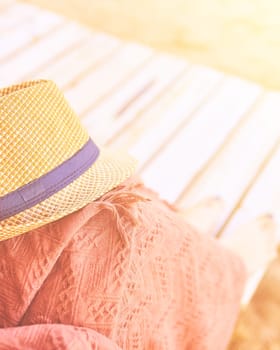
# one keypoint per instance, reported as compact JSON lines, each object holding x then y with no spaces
{"x":125,"y":272}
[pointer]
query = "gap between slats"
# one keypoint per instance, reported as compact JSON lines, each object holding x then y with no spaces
{"x":98,"y":85}
{"x":137,"y":94}
{"x":192,"y":146}
{"x":22,"y":65}
{"x":169,"y":108}
{"x":158,"y":138}
{"x":71,"y":67}
{"x":26,"y":36}
{"x":235,"y":168}
{"x":262,"y":195}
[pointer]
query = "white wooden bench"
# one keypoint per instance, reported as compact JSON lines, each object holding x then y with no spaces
{"x":225,"y":129}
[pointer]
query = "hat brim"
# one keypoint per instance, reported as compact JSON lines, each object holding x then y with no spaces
{"x":110,"y":170}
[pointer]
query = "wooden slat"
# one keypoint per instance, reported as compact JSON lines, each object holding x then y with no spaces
{"x":26,"y":34}
{"x":156,"y":121}
{"x":72,"y":66}
{"x":85,"y":93}
{"x":21,"y":66}
{"x":256,"y":242}
{"x":194,"y":144}
{"x":118,"y":109}
{"x":155,"y":127}
{"x":14,"y":15}
{"x":262,"y":197}
{"x":237,"y":164}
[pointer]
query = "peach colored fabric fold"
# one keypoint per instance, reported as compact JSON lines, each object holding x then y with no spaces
{"x":125,"y":272}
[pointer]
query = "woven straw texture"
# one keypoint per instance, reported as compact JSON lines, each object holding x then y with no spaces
{"x":39,"y":131}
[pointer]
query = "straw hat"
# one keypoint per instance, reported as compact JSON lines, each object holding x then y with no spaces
{"x":49,"y":166}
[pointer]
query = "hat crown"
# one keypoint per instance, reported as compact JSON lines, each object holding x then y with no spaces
{"x":38,"y":132}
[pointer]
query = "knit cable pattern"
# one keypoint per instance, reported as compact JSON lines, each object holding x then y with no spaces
{"x":124,"y":272}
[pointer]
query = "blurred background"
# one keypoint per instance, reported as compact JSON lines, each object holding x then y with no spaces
{"x":240,"y":37}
